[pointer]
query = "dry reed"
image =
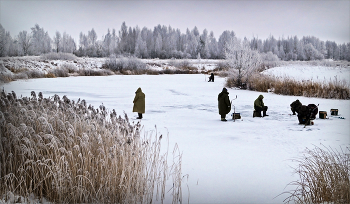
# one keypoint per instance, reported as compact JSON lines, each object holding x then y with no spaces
{"x":69,"y":152}
{"x":324,"y":177}
{"x":287,"y":86}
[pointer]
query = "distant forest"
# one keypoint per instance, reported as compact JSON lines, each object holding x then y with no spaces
{"x":164,"y":42}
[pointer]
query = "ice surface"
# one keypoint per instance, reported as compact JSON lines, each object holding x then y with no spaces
{"x":247,"y":161}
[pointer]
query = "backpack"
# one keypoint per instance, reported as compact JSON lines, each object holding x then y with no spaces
{"x":307,"y":113}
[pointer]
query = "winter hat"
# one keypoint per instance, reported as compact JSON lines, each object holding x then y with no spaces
{"x":224,"y":89}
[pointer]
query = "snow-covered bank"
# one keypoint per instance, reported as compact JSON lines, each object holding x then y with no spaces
{"x":247,"y":161}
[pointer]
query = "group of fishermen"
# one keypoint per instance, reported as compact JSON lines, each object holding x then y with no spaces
{"x":305,"y":113}
{"x":224,"y":105}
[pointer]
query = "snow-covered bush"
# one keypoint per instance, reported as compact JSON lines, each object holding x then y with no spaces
{"x":70,"y":152}
{"x":71,"y":68}
{"x":182,"y":64}
{"x":92,"y":72}
{"x":324,"y":177}
{"x":125,"y":63}
{"x":58,"y":56}
{"x":269,"y":60}
{"x":59,"y":72}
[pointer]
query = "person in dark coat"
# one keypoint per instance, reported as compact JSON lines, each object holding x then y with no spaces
{"x":139,"y":103}
{"x":259,"y":105}
{"x":295,"y":106}
{"x":224,"y":104}
{"x":211,"y":78}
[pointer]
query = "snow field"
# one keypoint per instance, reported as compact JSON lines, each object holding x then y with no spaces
{"x":315,"y":73}
{"x":247,"y":161}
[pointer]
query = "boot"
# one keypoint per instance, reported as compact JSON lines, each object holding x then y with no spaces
{"x":140,"y":116}
{"x":264,"y":114}
{"x":223,"y":119}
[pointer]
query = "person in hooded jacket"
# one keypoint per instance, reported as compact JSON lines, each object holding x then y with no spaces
{"x":259,"y":105}
{"x":139,"y":103}
{"x":211,"y":78}
{"x":224,"y":104}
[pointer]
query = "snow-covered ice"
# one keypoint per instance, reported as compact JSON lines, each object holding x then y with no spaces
{"x":246,"y":161}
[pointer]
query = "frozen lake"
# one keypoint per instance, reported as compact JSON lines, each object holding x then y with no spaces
{"x":247,"y":161}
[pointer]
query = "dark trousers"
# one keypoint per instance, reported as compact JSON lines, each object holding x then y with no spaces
{"x":223,"y":115}
{"x":264,"y":109}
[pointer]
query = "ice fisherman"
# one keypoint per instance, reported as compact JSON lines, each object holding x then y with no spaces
{"x":224,"y":104}
{"x":259,"y":105}
{"x":139,"y":103}
{"x":296,"y":106}
{"x":211,"y":78}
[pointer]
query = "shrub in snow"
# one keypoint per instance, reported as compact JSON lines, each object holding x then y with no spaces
{"x":182,"y":64}
{"x":221,"y":66}
{"x":324,"y":177}
{"x":92,"y":72}
{"x":34,"y":74}
{"x":69,"y":152}
{"x":269,"y":60}
{"x":59,"y":72}
{"x":125,"y":63}
{"x":58,"y":56}
{"x":71,"y":68}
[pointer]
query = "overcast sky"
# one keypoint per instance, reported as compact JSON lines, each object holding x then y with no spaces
{"x":326,"y":20}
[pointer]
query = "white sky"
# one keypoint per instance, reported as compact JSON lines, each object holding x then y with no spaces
{"x":326,"y":20}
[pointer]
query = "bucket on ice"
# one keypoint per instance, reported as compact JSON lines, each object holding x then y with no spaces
{"x":236,"y":116}
{"x":334,"y":111}
{"x":323,"y":114}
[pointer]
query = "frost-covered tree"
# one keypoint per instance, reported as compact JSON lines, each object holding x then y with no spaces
{"x":242,"y":60}
{"x":3,"y":42}
{"x":68,"y":43}
{"x":92,"y":37}
{"x":25,"y":42}
{"x":141,"y":47}
{"x":107,"y":44}
{"x":57,"y":41}
{"x":204,"y":45}
{"x":311,"y":53}
{"x":213,"y":46}
{"x":224,"y":38}
{"x":41,"y":40}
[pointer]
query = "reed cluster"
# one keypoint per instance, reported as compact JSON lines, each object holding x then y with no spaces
{"x":324,"y":177}
{"x":69,"y":152}
{"x":333,"y":89}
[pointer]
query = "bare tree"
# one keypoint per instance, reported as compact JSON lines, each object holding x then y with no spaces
{"x":242,"y":60}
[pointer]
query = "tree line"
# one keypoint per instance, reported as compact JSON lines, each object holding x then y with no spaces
{"x":164,"y":42}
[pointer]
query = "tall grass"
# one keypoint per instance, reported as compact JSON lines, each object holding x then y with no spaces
{"x":69,"y":152}
{"x":324,"y":177}
{"x":287,"y":86}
